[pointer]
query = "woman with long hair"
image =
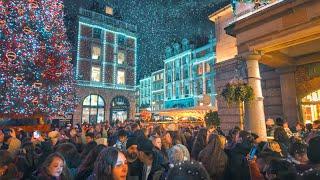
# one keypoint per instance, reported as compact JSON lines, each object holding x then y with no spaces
{"x":213,"y":157}
{"x":54,"y":167}
{"x":85,"y":169}
{"x":27,"y":159}
{"x":8,"y":169}
{"x":199,"y":143}
{"x":111,"y":164}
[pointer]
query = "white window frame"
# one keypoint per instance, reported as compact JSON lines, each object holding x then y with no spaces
{"x":95,"y":49}
{"x":94,"y":71}
{"x":121,"y":57}
{"x":121,"y":81}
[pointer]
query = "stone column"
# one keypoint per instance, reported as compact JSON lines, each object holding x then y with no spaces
{"x":288,"y":94}
{"x":255,"y":110}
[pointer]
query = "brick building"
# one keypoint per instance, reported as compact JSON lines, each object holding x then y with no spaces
{"x":105,"y":68}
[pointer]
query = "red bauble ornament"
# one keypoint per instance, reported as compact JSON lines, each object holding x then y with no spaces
{"x":11,"y":56}
{"x":59,"y":46}
{"x":19,"y":78}
{"x":69,"y":58}
{"x":58,"y":74}
{"x":20,"y":11}
{"x":27,"y":30}
{"x":35,"y":101}
{"x":58,"y":98}
{"x":33,"y":4}
{"x":37,"y":85}
{"x":47,"y":28}
{"x":2,"y":23}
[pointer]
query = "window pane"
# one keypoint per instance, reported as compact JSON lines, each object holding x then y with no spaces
{"x":85,"y":115}
{"x":121,"y":39}
{"x":96,"y":33}
{"x":207,"y":67}
{"x":95,"y":51}
{"x":100,"y":102}
{"x":86,"y":101}
{"x":109,"y":10}
{"x":86,"y":31}
{"x":94,"y":100}
{"x":200,"y":69}
{"x":93,"y":111}
{"x":121,"y":77}
{"x":100,"y":115}
{"x":121,"y":57}
{"x":95,"y":74}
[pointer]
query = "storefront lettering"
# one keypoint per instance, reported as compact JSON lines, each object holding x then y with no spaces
{"x":314,"y":70}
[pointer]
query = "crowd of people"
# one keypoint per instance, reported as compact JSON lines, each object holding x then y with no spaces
{"x":136,"y":150}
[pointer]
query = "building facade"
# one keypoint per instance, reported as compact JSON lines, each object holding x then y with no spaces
{"x":274,"y":47}
{"x":145,"y":93}
{"x":185,"y":82}
{"x":105,"y":68}
{"x":157,"y":90}
{"x":189,"y":75}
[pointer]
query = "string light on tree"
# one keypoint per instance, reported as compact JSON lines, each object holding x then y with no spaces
{"x":35,"y":65}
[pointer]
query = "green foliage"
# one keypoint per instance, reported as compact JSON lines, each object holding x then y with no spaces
{"x":237,"y":92}
{"x":212,"y":118}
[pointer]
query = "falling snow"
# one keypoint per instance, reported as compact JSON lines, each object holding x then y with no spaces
{"x":160,"y":23}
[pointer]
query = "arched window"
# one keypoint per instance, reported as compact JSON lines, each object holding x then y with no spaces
{"x":93,"y":109}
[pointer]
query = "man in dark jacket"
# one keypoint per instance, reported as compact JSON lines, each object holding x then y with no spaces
{"x":135,"y":166}
{"x":153,"y":162}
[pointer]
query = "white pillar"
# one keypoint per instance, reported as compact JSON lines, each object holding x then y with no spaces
{"x":255,"y":110}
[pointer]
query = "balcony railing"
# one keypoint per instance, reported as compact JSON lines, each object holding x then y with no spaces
{"x":246,"y":9}
{"x":104,"y":85}
{"x":107,"y":20}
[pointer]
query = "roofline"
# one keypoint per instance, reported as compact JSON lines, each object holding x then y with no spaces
{"x":214,"y":15}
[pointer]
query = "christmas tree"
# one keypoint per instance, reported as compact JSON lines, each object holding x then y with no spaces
{"x":36,"y":76}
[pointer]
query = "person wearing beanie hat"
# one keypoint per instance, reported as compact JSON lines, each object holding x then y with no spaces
{"x":153,"y":162}
{"x":132,"y":141}
{"x":135,"y":166}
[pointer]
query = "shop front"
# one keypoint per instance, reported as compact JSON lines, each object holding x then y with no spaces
{"x":310,"y":107}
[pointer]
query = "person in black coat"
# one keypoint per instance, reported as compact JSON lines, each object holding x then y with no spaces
{"x":153,"y":162}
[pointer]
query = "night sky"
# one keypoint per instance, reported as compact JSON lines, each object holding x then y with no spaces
{"x":160,"y":23}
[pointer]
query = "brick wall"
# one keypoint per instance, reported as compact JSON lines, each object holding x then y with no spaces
{"x":271,"y":91}
{"x":305,"y":84}
{"x":270,"y":82}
